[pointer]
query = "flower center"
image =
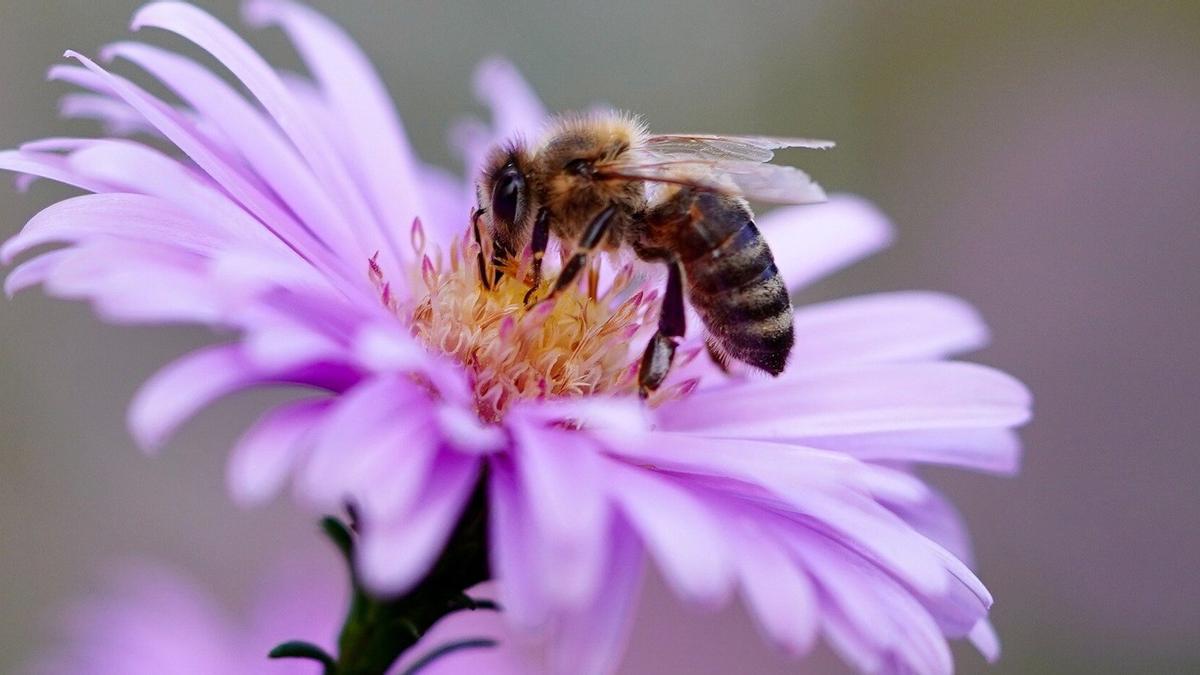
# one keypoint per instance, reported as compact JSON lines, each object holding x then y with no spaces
{"x":576,"y":344}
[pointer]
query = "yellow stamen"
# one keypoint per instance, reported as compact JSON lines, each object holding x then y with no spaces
{"x":575,"y":345}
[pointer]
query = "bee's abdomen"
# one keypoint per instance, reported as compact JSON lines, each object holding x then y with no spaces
{"x":738,"y":292}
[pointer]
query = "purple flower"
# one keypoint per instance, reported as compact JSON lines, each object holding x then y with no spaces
{"x":301,"y":220}
{"x":148,"y":619}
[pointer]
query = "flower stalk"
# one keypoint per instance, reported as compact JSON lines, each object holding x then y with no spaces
{"x":377,"y":631}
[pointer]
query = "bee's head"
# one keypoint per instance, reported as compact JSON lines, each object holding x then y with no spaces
{"x":506,"y":191}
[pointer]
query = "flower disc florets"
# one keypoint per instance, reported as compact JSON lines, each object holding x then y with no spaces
{"x":575,"y":344}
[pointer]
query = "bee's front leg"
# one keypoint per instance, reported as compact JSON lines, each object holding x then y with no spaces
{"x":484,"y":278}
{"x":672,"y":324}
{"x":538,"y":243}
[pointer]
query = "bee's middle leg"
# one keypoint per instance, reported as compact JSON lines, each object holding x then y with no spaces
{"x":672,"y":324}
{"x":591,"y":237}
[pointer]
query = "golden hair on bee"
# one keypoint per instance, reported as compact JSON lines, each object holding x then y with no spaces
{"x":601,"y":181}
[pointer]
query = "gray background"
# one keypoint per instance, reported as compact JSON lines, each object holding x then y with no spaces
{"x":1039,"y":158}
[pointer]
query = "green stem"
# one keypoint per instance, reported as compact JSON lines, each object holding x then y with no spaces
{"x":378,"y":631}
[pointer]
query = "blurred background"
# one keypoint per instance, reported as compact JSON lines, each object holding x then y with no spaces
{"x":1041,"y":159}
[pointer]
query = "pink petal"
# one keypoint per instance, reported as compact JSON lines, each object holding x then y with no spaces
{"x":51,"y":167}
{"x":562,"y":481}
{"x":512,"y":546}
{"x":811,"y":241}
{"x":782,"y":468}
{"x":963,"y":603}
{"x":395,"y":554}
{"x":464,"y":431}
{"x":391,"y":468}
{"x":154,"y":283}
{"x":835,"y":492}
{"x":778,"y":592}
{"x":264,"y":83}
{"x":132,"y":167}
{"x":679,"y":531}
{"x":118,"y":119}
{"x":133,"y":217}
{"x":937,"y":518}
{"x":266,"y":453}
{"x":887,"y":618}
{"x":184,"y":136}
{"x":516,"y":108}
{"x":361,"y":104}
{"x":886,"y":327}
{"x":988,"y":449}
{"x":865,"y":399}
{"x":984,"y":637}
{"x":179,"y":390}
{"x":267,"y":152}
{"x":592,"y":641}
{"x":33,"y":271}
{"x":367,"y":420}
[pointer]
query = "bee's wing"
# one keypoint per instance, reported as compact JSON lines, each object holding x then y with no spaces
{"x":710,"y":146}
{"x":747,"y":178}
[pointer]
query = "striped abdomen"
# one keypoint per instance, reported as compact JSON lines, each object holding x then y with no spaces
{"x":733,"y":282}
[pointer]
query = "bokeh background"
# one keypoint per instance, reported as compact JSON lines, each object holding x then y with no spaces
{"x":1041,"y":159}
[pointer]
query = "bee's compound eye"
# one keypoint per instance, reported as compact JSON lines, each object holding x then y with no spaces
{"x":508,"y":196}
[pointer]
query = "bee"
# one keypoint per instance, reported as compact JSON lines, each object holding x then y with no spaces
{"x":603,"y":182}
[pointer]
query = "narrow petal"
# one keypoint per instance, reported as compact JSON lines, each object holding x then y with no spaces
{"x":125,"y":216}
{"x":395,"y":554}
{"x":117,"y":118}
{"x":178,"y":391}
{"x":937,"y":518}
{"x":887,"y":618}
{"x":516,"y":108}
{"x":361,"y":104}
{"x":779,"y":594}
{"x":154,"y":283}
{"x":985,"y":639}
{"x":256,"y":139}
{"x":133,"y":167}
{"x":592,"y":641}
{"x":866,"y":399}
{"x":562,"y":480}
{"x":265,"y":84}
{"x":33,"y":271}
{"x":811,"y":241}
{"x":886,"y":327}
{"x":364,"y":417}
{"x":681,"y":534}
{"x":988,"y":449}
{"x":511,"y":548}
{"x":51,"y":167}
{"x":180,"y":132}
{"x":266,"y":453}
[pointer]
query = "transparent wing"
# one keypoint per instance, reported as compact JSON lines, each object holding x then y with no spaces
{"x":747,"y":178}
{"x":716,"y":147}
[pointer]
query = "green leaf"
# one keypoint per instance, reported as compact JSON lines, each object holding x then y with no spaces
{"x":448,"y":648}
{"x":299,"y":649}
{"x":340,"y":535}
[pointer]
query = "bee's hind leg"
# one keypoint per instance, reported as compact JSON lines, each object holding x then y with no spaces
{"x":672,"y":323}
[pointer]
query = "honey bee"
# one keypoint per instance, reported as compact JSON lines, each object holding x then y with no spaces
{"x":603,"y":182}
